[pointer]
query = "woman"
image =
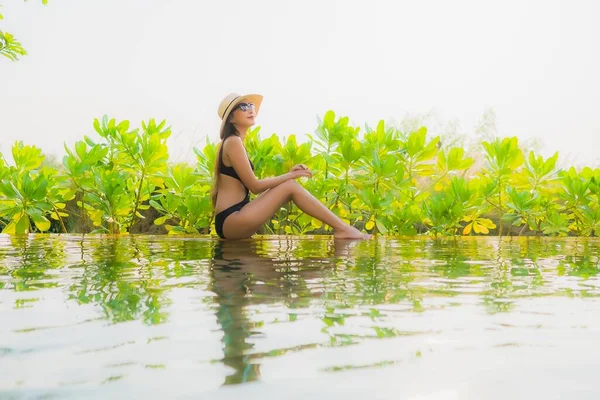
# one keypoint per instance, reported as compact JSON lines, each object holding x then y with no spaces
{"x":237,"y":217}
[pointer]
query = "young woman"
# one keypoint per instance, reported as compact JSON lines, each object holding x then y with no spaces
{"x":236,"y":216}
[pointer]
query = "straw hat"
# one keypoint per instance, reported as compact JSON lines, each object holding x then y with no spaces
{"x":232,"y":100}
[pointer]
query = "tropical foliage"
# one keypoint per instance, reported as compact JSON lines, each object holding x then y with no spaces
{"x":10,"y":47}
{"x":381,"y":180}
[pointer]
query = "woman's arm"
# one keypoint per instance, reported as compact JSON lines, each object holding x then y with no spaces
{"x":239,"y":160}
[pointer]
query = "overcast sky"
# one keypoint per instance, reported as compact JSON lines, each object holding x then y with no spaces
{"x":535,"y":63}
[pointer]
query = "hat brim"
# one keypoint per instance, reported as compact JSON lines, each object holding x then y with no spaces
{"x":250,"y":98}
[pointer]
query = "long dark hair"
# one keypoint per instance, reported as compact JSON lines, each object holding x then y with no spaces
{"x":228,"y":130}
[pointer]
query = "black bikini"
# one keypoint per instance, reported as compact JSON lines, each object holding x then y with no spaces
{"x":229,"y":171}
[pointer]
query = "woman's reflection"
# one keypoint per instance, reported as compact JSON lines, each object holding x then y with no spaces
{"x":246,"y":273}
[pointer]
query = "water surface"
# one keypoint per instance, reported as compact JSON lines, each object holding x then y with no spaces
{"x":274,"y":317}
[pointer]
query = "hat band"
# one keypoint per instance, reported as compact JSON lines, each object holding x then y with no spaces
{"x":227,"y":108}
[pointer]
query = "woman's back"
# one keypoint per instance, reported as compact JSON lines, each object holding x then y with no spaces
{"x":231,"y":188}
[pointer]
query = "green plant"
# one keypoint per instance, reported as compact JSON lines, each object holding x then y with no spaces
{"x":30,"y":194}
{"x":183,"y":200}
{"x":115,"y":178}
{"x":10,"y":47}
{"x":384,"y":181}
{"x":503,"y":157}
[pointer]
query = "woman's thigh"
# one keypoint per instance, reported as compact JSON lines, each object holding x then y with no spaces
{"x":255,"y":214}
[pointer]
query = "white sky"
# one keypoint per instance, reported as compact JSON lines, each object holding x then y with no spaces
{"x":536,"y":63}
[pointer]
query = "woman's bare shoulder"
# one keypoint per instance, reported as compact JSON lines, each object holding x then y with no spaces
{"x":233,"y":144}
{"x":231,"y":141}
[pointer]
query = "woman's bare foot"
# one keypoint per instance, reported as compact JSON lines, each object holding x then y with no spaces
{"x":350,"y":232}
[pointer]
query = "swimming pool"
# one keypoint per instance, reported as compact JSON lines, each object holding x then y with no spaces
{"x":273,"y":317}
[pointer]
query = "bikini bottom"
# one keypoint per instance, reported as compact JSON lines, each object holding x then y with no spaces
{"x":220,"y":217}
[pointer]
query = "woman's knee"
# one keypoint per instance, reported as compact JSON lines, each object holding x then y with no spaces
{"x":291,"y":186}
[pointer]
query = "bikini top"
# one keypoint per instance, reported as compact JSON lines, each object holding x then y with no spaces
{"x":230,"y":171}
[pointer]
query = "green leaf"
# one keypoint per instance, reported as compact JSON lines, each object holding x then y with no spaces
{"x":380,"y":226}
{"x":161,"y":220}
{"x":27,"y":158}
{"x":41,"y":222}
{"x":22,"y":224}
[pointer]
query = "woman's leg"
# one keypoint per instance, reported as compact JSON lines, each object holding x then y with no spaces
{"x":249,"y":219}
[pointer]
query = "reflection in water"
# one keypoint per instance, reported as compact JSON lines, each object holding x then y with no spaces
{"x":177,"y":305}
{"x":233,"y":281}
{"x":247,"y":273}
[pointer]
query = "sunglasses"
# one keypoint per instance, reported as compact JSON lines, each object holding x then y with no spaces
{"x":245,"y":106}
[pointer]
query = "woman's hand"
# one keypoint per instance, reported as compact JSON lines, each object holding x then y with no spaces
{"x":300,"y":172}
{"x":298,"y":166}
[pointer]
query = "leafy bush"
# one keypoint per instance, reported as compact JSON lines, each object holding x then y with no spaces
{"x":383,"y":181}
